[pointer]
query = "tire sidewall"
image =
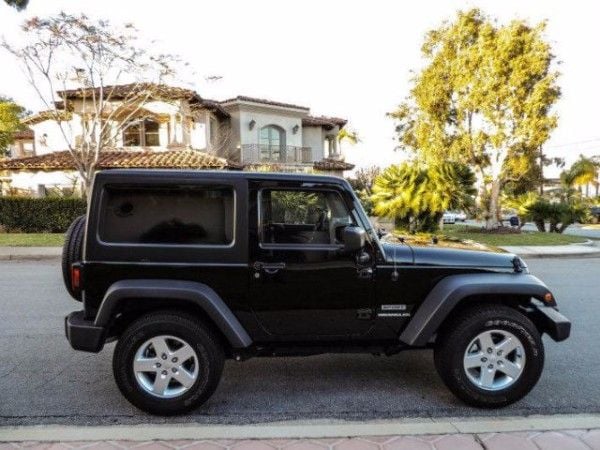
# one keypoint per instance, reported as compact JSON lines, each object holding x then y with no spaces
{"x":72,"y":252}
{"x":125,"y":376}
{"x":534,"y":361}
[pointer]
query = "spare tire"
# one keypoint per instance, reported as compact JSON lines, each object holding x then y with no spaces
{"x":72,"y":252}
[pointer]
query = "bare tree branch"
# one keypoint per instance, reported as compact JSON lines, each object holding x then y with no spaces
{"x":106,"y":78}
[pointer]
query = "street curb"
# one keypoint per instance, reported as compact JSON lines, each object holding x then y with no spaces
{"x":16,"y":253}
{"x":28,"y":257}
{"x":562,"y":255}
{"x":299,"y":429}
{"x":587,"y":243}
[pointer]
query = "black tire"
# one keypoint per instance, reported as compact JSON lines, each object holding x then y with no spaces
{"x":190,"y":329}
{"x":456,"y":336}
{"x":72,"y":252}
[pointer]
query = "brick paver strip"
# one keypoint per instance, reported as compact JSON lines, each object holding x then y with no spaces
{"x":533,"y":440}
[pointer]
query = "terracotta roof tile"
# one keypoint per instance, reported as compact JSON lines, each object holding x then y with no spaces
{"x":113,"y":159}
{"x":120,"y":91}
{"x":215,"y":107}
{"x":26,"y":134}
{"x":322,"y":121}
{"x":42,"y":116}
{"x":332,"y":164}
{"x":245,"y":98}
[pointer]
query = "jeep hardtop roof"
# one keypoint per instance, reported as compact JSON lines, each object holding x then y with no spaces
{"x":125,"y":174}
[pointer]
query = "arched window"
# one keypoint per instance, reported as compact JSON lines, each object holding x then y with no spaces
{"x":141,"y":133}
{"x":272,"y":143}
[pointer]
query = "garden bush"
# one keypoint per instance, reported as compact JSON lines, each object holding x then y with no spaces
{"x":39,"y":215}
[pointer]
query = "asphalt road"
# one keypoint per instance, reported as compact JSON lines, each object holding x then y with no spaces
{"x":43,"y":381}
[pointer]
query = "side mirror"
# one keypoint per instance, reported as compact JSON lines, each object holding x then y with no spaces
{"x":354,"y":239}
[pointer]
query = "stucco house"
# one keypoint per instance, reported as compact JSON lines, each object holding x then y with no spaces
{"x":176,"y":128}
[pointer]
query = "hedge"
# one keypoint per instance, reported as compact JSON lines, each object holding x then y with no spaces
{"x":39,"y":215}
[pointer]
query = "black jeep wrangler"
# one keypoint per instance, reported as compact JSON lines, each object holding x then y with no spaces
{"x":185,"y":269}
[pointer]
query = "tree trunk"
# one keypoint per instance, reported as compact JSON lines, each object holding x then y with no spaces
{"x":540,"y":225}
{"x":491,"y":221}
{"x":563,"y":227}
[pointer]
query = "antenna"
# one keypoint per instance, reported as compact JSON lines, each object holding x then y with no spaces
{"x":395,"y":274}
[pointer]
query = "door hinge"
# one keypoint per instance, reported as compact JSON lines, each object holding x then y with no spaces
{"x":365,"y":273}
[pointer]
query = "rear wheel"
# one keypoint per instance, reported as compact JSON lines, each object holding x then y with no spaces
{"x":168,"y":363}
{"x":490,"y":356}
{"x":73,"y":252}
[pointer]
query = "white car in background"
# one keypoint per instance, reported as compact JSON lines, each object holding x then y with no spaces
{"x":460,"y":216}
{"x":449,"y":218}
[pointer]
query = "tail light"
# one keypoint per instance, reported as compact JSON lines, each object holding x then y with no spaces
{"x":75,"y":277}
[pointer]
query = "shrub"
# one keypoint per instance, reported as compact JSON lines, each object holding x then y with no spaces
{"x":39,"y":215}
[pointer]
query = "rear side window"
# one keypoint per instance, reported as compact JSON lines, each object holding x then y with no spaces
{"x":181,"y":215}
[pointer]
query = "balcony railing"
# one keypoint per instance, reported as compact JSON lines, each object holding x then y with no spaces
{"x":289,"y":154}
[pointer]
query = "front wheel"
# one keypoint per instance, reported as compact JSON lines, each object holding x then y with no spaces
{"x":168,"y":363}
{"x":490,"y":356}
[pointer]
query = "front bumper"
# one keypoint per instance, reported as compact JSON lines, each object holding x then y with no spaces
{"x":549,"y":320}
{"x":82,"y":334}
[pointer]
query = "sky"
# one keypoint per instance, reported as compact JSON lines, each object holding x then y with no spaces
{"x":350,"y":59}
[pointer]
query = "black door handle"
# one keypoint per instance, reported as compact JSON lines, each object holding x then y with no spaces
{"x":270,"y":268}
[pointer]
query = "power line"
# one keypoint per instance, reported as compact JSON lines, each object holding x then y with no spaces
{"x":574,"y":143}
{"x":578,"y":150}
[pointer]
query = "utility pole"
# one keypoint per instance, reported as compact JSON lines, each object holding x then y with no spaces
{"x":541,"y":150}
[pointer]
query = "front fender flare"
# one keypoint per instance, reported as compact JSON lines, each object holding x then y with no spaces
{"x":446,"y":294}
{"x":196,"y":293}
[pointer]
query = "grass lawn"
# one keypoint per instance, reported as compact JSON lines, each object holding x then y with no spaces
{"x":463,"y":232}
{"x":31,"y":239}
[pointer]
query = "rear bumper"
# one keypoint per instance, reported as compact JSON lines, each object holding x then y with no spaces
{"x":552,"y":322}
{"x":83,"y":334}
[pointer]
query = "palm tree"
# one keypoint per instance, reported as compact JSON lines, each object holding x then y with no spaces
{"x":349,"y":135}
{"x":584,"y":172}
{"x":20,"y":5}
{"x":416,"y":195}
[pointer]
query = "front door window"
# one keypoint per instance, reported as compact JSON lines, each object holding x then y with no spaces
{"x":297,"y":217}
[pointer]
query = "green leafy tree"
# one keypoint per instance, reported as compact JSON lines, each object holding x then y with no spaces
{"x":416,"y":195}
{"x":10,"y":122}
{"x":362,"y":183}
{"x":484,"y":99}
{"x":19,"y":5}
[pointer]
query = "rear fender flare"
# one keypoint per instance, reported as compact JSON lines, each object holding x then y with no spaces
{"x":195,"y":293}
{"x":448,"y":293}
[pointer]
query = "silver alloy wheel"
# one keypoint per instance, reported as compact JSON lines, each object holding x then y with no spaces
{"x":494,"y":360}
{"x":165,"y":366}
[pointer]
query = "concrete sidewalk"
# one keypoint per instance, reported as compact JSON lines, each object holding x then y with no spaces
{"x":551,"y":440}
{"x":589,"y":248}
{"x":561,"y":432}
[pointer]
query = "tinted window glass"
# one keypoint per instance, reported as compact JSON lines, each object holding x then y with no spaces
{"x":303,"y":217}
{"x":174,"y":215}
